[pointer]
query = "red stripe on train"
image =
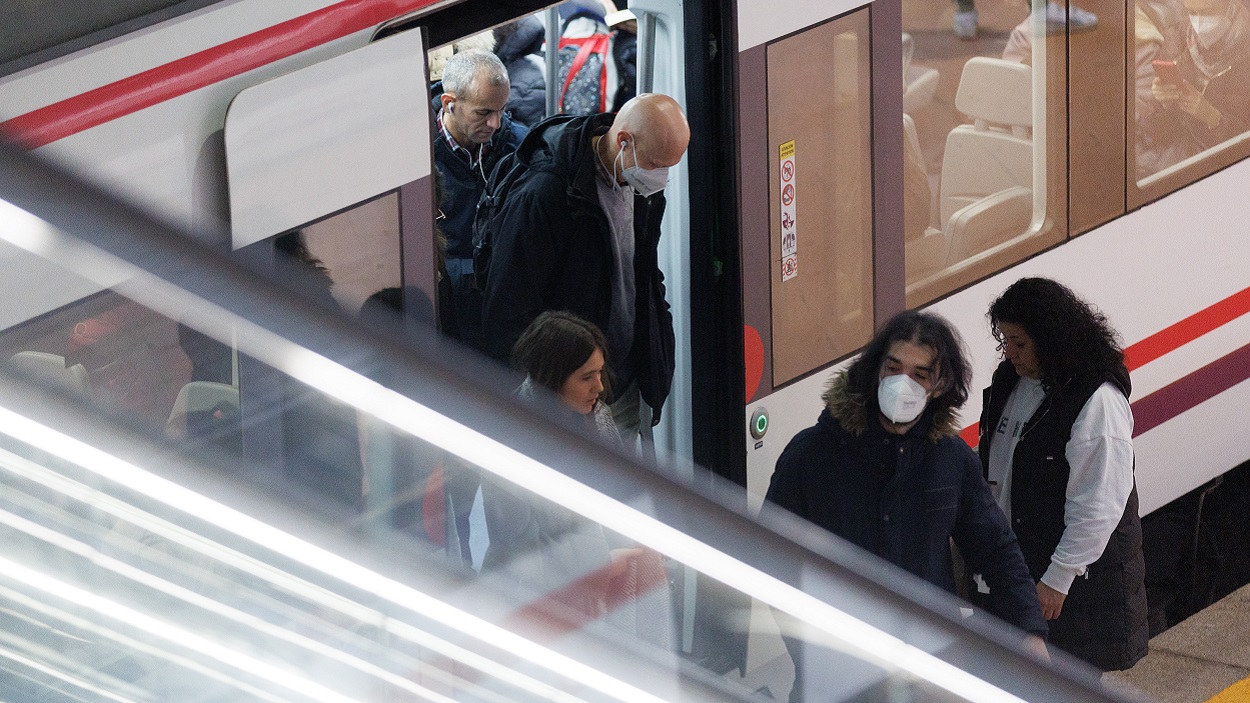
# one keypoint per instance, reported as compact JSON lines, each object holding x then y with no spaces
{"x":201,"y":69}
{"x":1186,"y":392}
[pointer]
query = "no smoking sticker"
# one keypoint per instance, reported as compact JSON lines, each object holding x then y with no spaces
{"x":789,"y":212}
{"x":789,"y":267}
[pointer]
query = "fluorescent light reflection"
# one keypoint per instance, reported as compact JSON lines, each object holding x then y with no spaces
{"x":64,"y":678}
{"x":345,"y":385}
{"x":279,"y":579}
{"x":153,"y":651}
{"x":170,"y":632}
{"x":192,"y":598}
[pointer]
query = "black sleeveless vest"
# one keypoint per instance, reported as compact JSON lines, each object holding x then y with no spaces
{"x":1103,"y":620}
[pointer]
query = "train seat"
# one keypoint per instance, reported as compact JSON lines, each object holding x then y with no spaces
{"x":985,"y":196}
{"x":925,"y":245}
{"x":203,"y":399}
{"x":920,"y":83}
{"x":50,"y":369}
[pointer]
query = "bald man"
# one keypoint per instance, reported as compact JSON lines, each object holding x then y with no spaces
{"x":579,"y":232}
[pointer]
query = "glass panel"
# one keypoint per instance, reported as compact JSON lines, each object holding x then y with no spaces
{"x":983,"y":181}
{"x":142,"y":565}
{"x":820,"y":171}
{"x":1192,"y":88}
{"x":1097,"y":98}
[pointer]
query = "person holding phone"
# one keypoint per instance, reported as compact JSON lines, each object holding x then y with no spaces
{"x":1193,"y":78}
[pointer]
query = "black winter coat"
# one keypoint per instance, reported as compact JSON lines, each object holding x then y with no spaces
{"x":827,"y":475}
{"x":1104,"y":616}
{"x":462,"y":184}
{"x":520,"y":50}
{"x":553,"y":251}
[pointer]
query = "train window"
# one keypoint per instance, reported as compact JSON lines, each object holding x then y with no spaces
{"x":356,"y":253}
{"x":1191,"y":91}
{"x":820,"y":166}
{"x":1096,"y":86}
{"x":982,"y":189}
{"x":162,"y":378}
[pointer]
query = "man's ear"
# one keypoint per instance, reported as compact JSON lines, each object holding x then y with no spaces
{"x":623,"y":136}
{"x":447,"y":100}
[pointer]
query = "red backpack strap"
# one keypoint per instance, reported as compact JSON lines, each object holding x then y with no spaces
{"x":602,"y":46}
{"x":586,"y":46}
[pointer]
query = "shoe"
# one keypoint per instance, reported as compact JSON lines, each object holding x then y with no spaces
{"x":966,"y":25}
{"x":1073,"y":18}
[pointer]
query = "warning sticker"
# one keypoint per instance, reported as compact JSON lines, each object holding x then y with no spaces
{"x":789,"y":267}
{"x":789,"y":217}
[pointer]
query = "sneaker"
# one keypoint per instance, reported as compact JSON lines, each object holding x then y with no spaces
{"x":1073,"y":17}
{"x":966,"y":25}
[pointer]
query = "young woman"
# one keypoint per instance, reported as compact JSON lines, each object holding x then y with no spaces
{"x":1057,"y":448}
{"x":576,"y":572}
{"x":568,"y":356}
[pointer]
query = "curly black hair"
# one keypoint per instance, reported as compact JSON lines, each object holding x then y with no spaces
{"x":924,"y":329}
{"x":1073,"y":338}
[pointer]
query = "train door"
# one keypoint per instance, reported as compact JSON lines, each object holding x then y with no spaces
{"x":820,"y":264}
{"x":661,"y":65}
{"x":329,"y":172}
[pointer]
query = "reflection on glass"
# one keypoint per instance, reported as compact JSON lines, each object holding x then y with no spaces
{"x":1192,"y":80}
{"x":968,"y":103}
{"x":121,"y":582}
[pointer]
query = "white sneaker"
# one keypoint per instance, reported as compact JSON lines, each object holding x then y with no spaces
{"x":966,"y":25}
{"x":1074,"y":18}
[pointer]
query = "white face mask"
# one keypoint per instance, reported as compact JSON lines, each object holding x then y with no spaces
{"x":1210,"y":28}
{"x":645,"y":182}
{"x":901,"y":398}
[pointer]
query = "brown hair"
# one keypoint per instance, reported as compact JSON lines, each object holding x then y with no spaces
{"x":555,"y":345}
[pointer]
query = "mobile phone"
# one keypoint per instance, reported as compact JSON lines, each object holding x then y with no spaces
{"x":1167,"y":71}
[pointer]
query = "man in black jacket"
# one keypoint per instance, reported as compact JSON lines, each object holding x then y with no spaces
{"x":884,"y":468}
{"x":579,"y":231}
{"x":473,"y":134}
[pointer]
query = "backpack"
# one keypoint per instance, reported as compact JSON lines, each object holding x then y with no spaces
{"x":505,"y":174}
{"x":584,"y":74}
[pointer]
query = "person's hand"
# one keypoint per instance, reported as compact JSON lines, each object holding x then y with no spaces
{"x":1052,"y":601}
{"x":1186,"y":97}
{"x":1168,"y":94}
{"x":1037,"y":646}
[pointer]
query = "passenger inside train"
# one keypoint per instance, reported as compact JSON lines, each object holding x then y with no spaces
{"x":1192,"y":79}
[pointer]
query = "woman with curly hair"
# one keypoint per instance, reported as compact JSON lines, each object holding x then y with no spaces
{"x":1057,"y":447}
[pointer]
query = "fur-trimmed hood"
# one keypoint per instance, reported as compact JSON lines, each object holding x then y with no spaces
{"x":851,"y":411}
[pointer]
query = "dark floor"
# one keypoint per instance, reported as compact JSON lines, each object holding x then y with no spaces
{"x":1188,"y":569}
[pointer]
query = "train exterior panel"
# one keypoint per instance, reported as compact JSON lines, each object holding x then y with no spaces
{"x":143,"y":113}
{"x":1174,"y":263}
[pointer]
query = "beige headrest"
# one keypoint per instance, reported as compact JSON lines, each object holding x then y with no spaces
{"x":996,"y":91}
{"x":50,"y":369}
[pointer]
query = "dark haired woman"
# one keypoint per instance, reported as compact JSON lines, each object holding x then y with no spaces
{"x":549,"y":548}
{"x":567,"y":355}
{"x":1057,"y":448}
